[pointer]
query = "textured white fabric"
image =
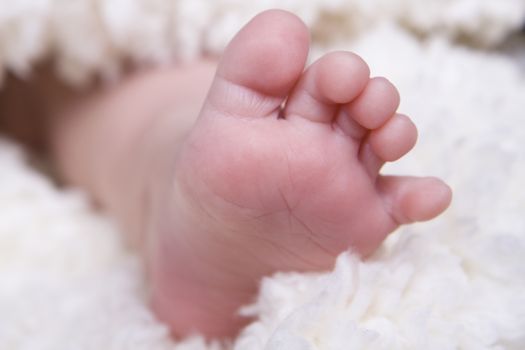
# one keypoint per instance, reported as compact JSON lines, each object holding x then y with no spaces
{"x":93,"y":36}
{"x":455,"y":283}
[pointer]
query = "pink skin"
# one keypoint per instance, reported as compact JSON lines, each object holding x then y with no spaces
{"x":255,"y":189}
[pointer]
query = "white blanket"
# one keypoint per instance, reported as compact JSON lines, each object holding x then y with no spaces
{"x":67,"y":282}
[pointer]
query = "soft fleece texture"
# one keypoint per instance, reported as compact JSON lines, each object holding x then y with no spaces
{"x":455,"y":283}
{"x":93,"y":36}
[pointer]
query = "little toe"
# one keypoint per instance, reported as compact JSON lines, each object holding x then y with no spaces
{"x":375,"y":105}
{"x":410,"y":199}
{"x":261,"y":65}
{"x":336,"y":78}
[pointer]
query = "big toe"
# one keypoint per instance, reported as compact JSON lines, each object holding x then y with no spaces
{"x":261,"y":65}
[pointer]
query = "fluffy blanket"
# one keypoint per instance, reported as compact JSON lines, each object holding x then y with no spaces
{"x":457,"y":282}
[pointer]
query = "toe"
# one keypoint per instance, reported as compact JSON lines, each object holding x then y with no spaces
{"x":388,"y":143}
{"x":410,"y":199}
{"x":261,"y":65}
{"x":336,"y":78}
{"x":394,"y":139}
{"x":375,"y":105}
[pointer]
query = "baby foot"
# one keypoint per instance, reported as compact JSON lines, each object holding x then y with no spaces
{"x":257,"y":187}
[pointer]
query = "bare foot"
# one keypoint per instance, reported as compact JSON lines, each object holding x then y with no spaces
{"x":256,"y":188}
